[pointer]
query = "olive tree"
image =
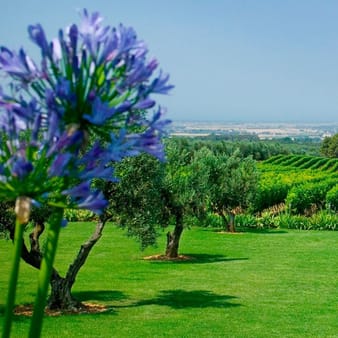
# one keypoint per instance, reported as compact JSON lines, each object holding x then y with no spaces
{"x":150,"y":195}
{"x":186,"y":185}
{"x":232,"y":185}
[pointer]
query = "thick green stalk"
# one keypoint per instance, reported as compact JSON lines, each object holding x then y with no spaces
{"x":13,"y":279}
{"x":45,"y":273}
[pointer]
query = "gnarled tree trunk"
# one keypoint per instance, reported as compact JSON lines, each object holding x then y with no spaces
{"x":173,"y":238}
{"x":61,"y":297}
{"x":61,"y":287}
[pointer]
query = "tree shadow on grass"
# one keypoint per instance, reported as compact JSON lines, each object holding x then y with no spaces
{"x":99,"y":295}
{"x":199,"y":259}
{"x":180,"y":299}
{"x":208,"y":258}
{"x":261,"y":231}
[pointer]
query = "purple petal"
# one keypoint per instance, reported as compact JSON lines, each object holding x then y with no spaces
{"x":79,"y":191}
{"x":94,"y":202}
{"x":21,"y":167}
{"x":123,"y":107}
{"x":73,"y":36}
{"x":144,"y":104}
{"x":56,"y":50}
{"x":59,"y":165}
{"x":127,"y":38}
{"x":160,"y":86}
{"x":91,"y":157}
{"x":19,"y":65}
{"x":101,"y":112}
{"x":98,"y":172}
{"x":37,"y":35}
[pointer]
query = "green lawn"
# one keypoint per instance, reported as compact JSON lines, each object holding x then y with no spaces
{"x":255,"y":284}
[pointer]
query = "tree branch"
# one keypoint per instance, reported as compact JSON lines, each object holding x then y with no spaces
{"x":84,"y":251}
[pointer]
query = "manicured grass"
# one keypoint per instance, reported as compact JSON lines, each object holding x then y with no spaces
{"x":254,"y":284}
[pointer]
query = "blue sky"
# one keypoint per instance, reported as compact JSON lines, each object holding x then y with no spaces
{"x":230,"y":60}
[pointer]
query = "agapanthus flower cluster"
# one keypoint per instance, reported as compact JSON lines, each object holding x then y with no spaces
{"x":87,"y":104}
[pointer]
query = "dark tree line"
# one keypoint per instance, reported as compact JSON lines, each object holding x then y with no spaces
{"x":259,"y":149}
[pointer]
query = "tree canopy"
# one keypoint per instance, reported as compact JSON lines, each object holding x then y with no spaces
{"x":329,"y":146}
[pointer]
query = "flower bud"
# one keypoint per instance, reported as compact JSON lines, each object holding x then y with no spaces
{"x":23,"y":209}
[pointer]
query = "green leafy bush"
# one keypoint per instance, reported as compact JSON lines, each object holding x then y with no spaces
{"x":266,"y":220}
{"x":79,"y":215}
{"x":271,"y":191}
{"x":212,"y":220}
{"x":287,"y":221}
{"x":322,"y":220}
{"x":308,"y":196}
{"x":246,"y":221}
{"x":332,"y":198}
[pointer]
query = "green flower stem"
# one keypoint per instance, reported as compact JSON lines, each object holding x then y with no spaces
{"x":18,"y":240}
{"x":45,"y":273}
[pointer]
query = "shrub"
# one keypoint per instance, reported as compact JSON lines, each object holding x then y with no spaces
{"x":266,"y":220}
{"x":308,"y":196}
{"x":246,"y":221}
{"x":79,"y":215}
{"x":287,"y":221}
{"x":213,"y":220}
{"x":332,"y":198}
{"x":322,"y":220}
{"x":270,"y":192}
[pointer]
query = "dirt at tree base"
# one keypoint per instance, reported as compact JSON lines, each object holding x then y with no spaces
{"x":27,"y":310}
{"x":229,"y":233}
{"x":166,"y":258}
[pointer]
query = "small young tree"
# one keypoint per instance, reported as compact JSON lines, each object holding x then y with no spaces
{"x":185,"y":190}
{"x":329,"y":146}
{"x":232,"y":185}
{"x":150,"y":195}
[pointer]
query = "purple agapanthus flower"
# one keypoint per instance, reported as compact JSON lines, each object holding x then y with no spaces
{"x":93,"y":82}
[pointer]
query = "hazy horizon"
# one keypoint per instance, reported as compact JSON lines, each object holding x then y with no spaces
{"x":264,"y":60}
{"x":206,"y":120}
